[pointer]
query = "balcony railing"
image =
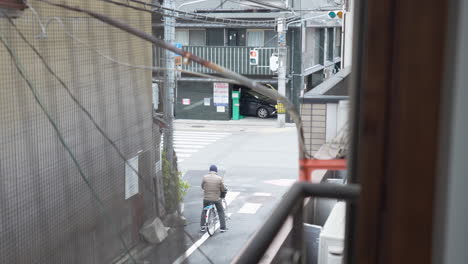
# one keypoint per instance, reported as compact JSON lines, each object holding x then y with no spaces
{"x":233,"y":58}
{"x":292,"y":204}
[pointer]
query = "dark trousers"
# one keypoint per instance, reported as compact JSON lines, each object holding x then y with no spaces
{"x":219,"y":208}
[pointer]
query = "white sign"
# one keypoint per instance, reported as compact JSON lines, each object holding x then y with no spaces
{"x":207,"y":101}
{"x":220,"y":109}
{"x":186,"y":101}
{"x":131,"y":177}
{"x":221,"y":94}
{"x":155,"y":96}
{"x":274,"y":62}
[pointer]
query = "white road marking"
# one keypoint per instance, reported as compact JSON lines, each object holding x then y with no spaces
{"x":281,"y":182}
{"x":230,"y":196}
{"x":188,"y":146}
{"x":197,"y":136}
{"x":249,"y":208}
{"x":186,"y":150}
{"x":190,"y":142}
{"x":180,"y":160}
{"x":201,"y":133}
{"x":262,"y":194}
{"x":194,"y":247}
{"x":182,"y":155}
{"x":194,"y":139}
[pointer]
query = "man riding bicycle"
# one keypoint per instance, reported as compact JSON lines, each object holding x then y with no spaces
{"x":213,"y":186}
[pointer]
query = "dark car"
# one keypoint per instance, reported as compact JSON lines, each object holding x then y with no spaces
{"x":255,"y":104}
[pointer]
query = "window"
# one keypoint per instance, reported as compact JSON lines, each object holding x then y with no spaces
{"x":330,"y":44}
{"x":337,"y":51}
{"x":192,"y":37}
{"x":215,"y":37}
{"x":322,"y":45}
{"x":255,"y":38}
{"x":197,"y":37}
{"x":313,"y":50}
{"x":271,"y":38}
{"x":182,"y":36}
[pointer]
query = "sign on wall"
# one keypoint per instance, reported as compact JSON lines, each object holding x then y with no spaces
{"x":221,"y":94}
{"x":186,"y":101}
{"x":131,"y":177}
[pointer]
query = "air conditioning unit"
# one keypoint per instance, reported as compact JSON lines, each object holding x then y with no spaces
{"x":331,"y":242}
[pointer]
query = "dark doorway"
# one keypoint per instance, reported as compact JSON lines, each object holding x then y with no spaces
{"x":236,"y":37}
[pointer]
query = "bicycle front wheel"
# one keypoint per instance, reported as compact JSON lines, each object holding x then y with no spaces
{"x":211,"y":222}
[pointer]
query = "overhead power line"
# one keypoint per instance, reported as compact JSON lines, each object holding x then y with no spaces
{"x":193,"y":16}
{"x":189,"y":56}
{"x":267,"y":4}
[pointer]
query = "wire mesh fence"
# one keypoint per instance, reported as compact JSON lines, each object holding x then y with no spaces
{"x":75,"y":127}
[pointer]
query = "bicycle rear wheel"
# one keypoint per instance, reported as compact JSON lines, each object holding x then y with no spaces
{"x":211,"y":222}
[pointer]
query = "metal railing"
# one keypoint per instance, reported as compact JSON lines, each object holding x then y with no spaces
{"x":233,"y":58}
{"x":292,"y":204}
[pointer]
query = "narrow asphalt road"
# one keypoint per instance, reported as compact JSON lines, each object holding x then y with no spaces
{"x":258,"y":165}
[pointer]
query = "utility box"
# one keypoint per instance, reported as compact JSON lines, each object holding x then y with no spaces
{"x":236,"y":105}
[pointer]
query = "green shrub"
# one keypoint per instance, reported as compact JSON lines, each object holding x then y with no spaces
{"x":174,"y":187}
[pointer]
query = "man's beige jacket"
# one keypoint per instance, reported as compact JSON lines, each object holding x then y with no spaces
{"x":213,"y":185}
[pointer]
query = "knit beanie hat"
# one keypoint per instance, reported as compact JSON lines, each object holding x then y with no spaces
{"x":213,"y":168}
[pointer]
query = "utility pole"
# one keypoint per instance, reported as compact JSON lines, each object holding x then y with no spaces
{"x":282,"y":58}
{"x":169,"y":81}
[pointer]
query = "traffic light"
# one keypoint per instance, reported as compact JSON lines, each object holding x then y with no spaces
{"x":333,"y":14}
{"x":253,"y":57}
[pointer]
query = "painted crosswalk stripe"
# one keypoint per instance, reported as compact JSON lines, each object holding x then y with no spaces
{"x":207,"y":139}
{"x":191,"y":143}
{"x":186,"y":150}
{"x":262,"y":194}
{"x":249,"y":208}
{"x":183,"y":155}
{"x":199,"y":138}
{"x":183,"y":146}
{"x":202,"y":133}
{"x":199,"y":135}
{"x":230,"y":196}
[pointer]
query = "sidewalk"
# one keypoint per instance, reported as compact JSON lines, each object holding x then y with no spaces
{"x":245,"y":124}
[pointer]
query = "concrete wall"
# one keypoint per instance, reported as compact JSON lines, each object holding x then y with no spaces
{"x":48,"y":214}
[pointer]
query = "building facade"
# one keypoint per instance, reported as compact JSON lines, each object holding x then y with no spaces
{"x":313,"y":38}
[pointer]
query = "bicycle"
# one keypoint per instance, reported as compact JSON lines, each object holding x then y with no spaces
{"x":212,"y":217}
